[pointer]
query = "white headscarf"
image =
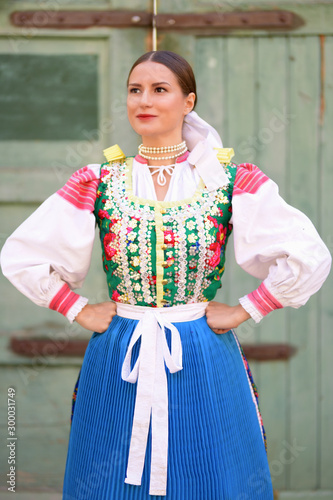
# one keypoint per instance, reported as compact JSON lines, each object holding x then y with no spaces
{"x":201,"y":139}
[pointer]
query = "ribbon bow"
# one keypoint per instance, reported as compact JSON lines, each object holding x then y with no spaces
{"x":161,"y":177}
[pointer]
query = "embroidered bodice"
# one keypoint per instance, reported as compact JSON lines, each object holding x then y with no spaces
{"x":162,"y":253}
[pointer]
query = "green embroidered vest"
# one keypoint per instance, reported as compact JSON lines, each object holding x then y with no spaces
{"x":158,"y":253}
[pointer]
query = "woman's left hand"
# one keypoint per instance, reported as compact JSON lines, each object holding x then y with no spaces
{"x":221,"y":318}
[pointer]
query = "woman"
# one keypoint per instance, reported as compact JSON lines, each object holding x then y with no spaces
{"x":165,"y":404}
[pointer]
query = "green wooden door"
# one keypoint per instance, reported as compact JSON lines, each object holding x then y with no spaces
{"x":271,"y":97}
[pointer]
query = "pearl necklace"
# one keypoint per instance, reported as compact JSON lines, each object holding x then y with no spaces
{"x":163,"y":157}
{"x":163,"y":149}
{"x":148,"y":157}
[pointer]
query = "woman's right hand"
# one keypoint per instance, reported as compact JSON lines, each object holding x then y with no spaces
{"x":96,"y":317}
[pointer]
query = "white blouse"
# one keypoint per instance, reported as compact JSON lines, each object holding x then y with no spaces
{"x":48,"y":256}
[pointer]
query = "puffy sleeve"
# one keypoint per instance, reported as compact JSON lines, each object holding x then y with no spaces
{"x":275,"y":243}
{"x":49,"y":254}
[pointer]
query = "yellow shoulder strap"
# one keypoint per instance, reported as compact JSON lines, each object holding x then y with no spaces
{"x":114,"y":153}
{"x":224,"y":155}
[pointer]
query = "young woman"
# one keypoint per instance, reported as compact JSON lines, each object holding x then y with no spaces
{"x":165,"y":401}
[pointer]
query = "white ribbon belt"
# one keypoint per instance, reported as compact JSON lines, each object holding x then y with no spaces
{"x":152,"y":389}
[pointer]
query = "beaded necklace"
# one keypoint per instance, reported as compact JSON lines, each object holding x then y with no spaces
{"x":149,"y":157}
{"x":177,"y":149}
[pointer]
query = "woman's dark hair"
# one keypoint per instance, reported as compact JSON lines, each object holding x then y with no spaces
{"x":177,"y":64}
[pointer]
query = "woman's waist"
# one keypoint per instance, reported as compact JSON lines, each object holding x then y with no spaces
{"x":177,"y":313}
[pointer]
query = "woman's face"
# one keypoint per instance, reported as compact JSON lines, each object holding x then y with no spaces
{"x":156,"y":105}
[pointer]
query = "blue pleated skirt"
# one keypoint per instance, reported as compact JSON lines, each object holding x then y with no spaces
{"x":216,"y":438}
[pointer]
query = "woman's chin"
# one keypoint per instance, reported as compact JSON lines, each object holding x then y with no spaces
{"x":146,"y":131}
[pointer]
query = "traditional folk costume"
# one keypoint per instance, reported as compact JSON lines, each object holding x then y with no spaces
{"x":164,"y":406}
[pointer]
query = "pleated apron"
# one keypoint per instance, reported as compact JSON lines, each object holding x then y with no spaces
{"x":165,"y":409}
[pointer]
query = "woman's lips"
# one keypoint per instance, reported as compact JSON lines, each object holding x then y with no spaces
{"x":145,"y":117}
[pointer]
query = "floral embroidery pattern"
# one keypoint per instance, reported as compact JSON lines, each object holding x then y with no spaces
{"x":254,"y":390}
{"x":103,"y":214}
{"x":115,"y":296}
{"x":195,"y":237}
{"x":169,"y":237}
{"x":108,"y":249}
{"x":217,"y":246}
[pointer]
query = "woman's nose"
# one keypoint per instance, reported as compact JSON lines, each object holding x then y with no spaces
{"x":146,"y":98}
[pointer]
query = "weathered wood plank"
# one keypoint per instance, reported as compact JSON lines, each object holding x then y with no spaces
{"x":270,"y":143}
{"x":306,"y":495}
{"x":211,"y":68}
{"x":325,"y":392}
{"x":240,"y":107}
{"x":133,"y":44}
{"x":134,"y":4}
{"x":303,"y":177}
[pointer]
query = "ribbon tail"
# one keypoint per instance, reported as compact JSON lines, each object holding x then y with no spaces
{"x":143,"y":402}
{"x":160,"y":430}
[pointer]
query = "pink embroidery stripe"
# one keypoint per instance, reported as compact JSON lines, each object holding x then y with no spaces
{"x":183,"y":157}
{"x":141,"y":160}
{"x":64,"y":300}
{"x":80,"y":189}
{"x":263,"y":300}
{"x":248,"y":179}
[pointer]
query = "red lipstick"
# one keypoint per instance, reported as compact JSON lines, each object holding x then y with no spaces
{"x":145,"y":117}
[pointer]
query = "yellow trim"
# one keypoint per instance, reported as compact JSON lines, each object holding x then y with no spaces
{"x":153,"y":203}
{"x":114,"y":153}
{"x":224,"y":155}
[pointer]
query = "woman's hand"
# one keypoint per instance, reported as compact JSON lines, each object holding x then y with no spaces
{"x":96,"y":317}
{"x":221,"y":317}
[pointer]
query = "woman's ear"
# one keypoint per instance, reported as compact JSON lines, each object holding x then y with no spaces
{"x":189,"y":102}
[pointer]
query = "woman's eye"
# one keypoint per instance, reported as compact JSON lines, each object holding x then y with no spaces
{"x":160,"y":89}
{"x":134,"y":90}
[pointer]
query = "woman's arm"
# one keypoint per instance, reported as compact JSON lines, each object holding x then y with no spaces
{"x":276,"y":243}
{"x":49,"y":254}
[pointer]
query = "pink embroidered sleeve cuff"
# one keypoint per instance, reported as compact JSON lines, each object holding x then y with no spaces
{"x":80,"y":189}
{"x":259,"y":303}
{"x":68,"y":302}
